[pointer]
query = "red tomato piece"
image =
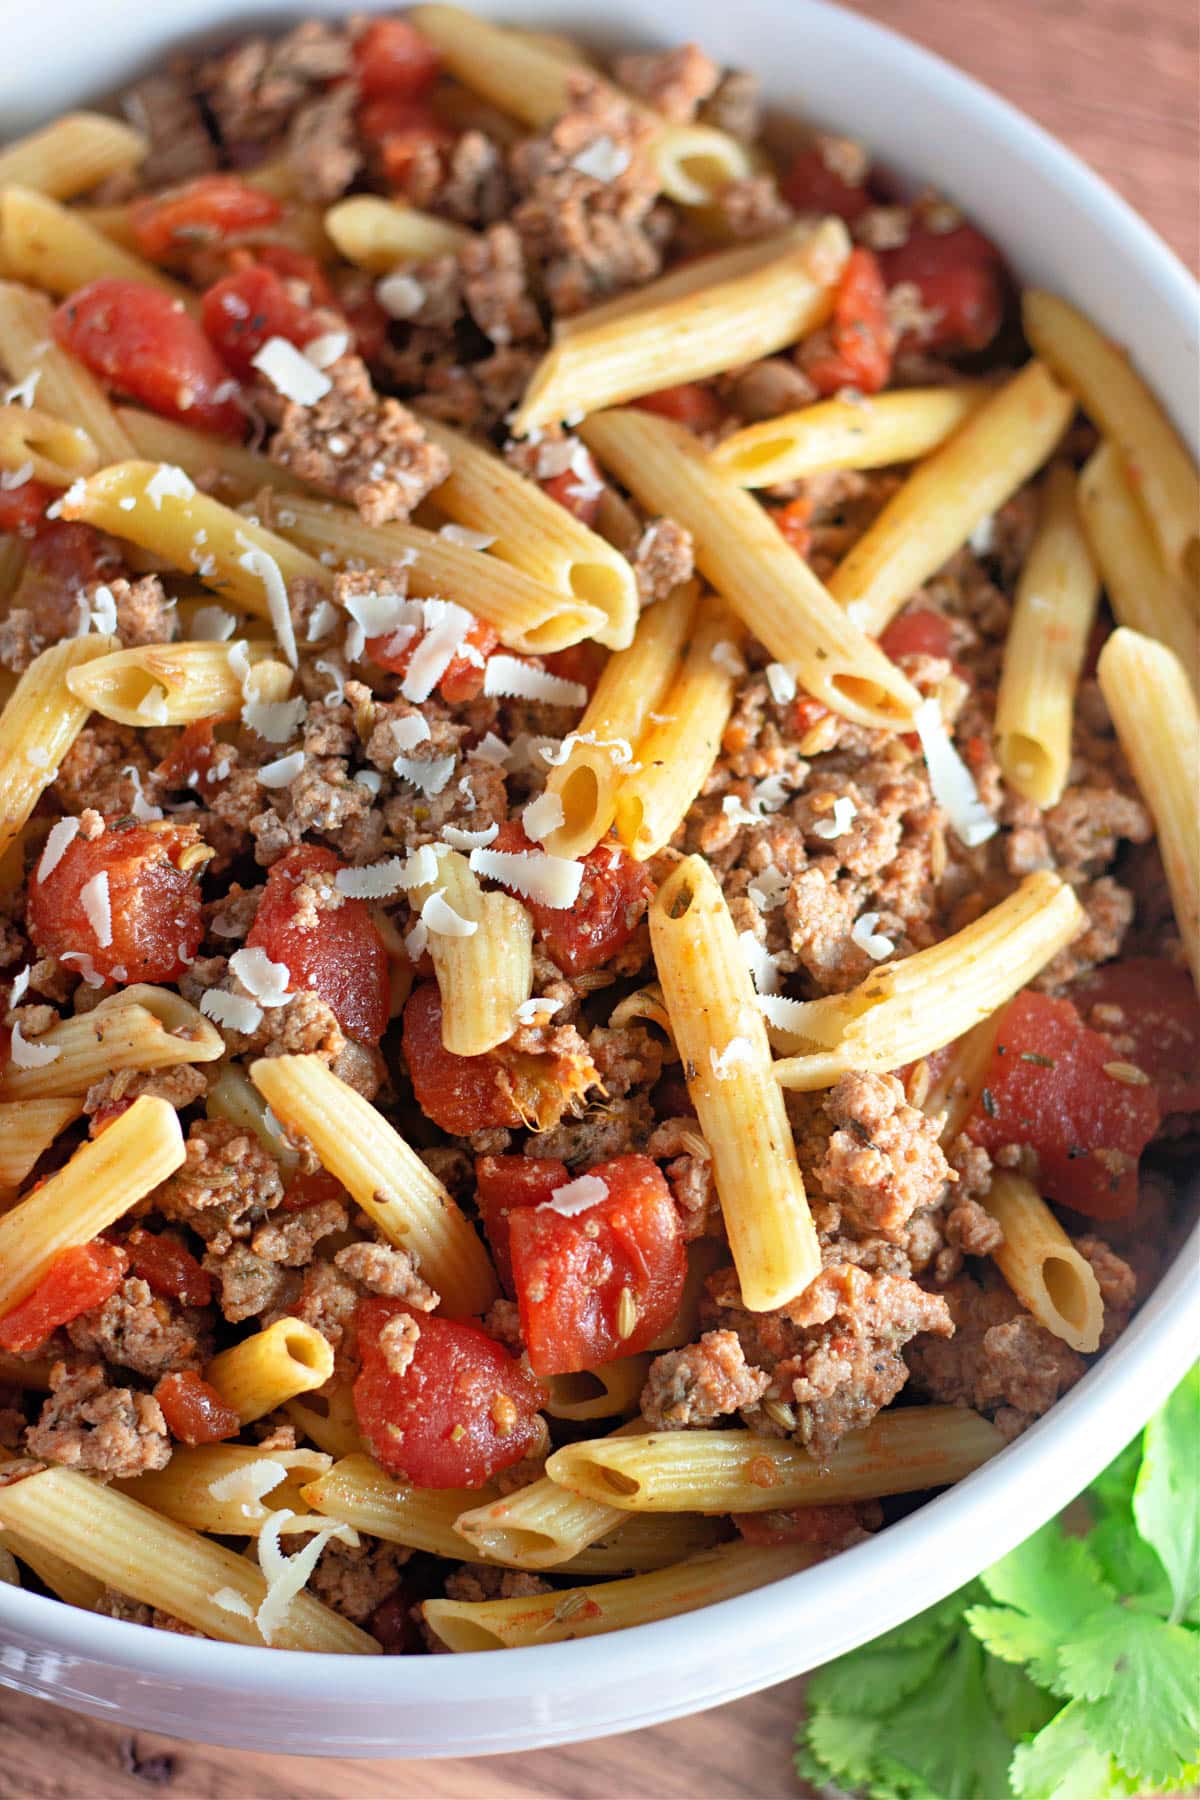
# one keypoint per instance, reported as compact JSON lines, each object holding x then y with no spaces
{"x":461,"y":1410}
{"x":65,"y":555}
{"x":578,"y":489}
{"x":402,"y":130}
{"x":811,"y":186}
{"x":78,"y":1279}
{"x":200,"y":213}
{"x":793,"y":522}
{"x":155,"y":923}
{"x":462,"y":1094}
{"x":613,"y":896}
{"x":961,"y":279}
{"x":505,"y":1182}
{"x":1161,"y":1015}
{"x":292,"y":265}
{"x":310,"y":1190}
{"x":189,"y":761}
{"x":140,"y":341}
{"x":194,"y":1411}
{"x":855,"y":348}
{"x":689,"y":403}
{"x":243,"y":310}
{"x":339,"y":955}
{"x":1046,"y":1086}
{"x":167,"y":1268}
{"x":584,"y":662}
{"x":23,"y":508}
{"x":463,"y":679}
{"x":920,"y":631}
{"x":572,"y":1275}
{"x":392,"y":60}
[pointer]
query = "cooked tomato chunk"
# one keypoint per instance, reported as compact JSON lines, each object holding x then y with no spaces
{"x":129,"y":899}
{"x":463,"y":678}
{"x":168,"y":1268}
{"x":462,"y":1094}
{"x":334,"y":952}
{"x":855,"y":349}
{"x":203,"y":212}
{"x":23,"y":508}
{"x":243,"y":310}
{"x":794,"y":521}
{"x":140,"y":341}
{"x":960,"y":280}
{"x":506,"y":1182}
{"x":303,"y":1190}
{"x":810,"y":185}
{"x":1048,"y":1086}
{"x":917,"y":632}
{"x":78,"y":1279}
{"x":194,"y":1411}
{"x":403,"y":131}
{"x":189,"y":761}
{"x":439,"y":1402}
{"x":689,"y":403}
{"x":613,"y":896}
{"x":603,"y":1282}
{"x":393,"y":60}
{"x":1159,"y":1025}
{"x":578,"y":488}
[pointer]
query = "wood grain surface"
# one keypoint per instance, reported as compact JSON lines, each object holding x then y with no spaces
{"x":1117,"y":82}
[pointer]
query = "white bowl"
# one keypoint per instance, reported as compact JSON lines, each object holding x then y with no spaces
{"x":1062,"y":228}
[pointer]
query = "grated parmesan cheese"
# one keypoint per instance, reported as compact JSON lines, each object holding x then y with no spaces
{"x":466,"y":538}
{"x":769,"y":888}
{"x":408,"y":733}
{"x":603,"y":159}
{"x":212,"y":625}
{"x":509,"y":676}
{"x":283,"y":771}
{"x":232,"y":1011}
{"x":839,"y":821}
{"x":376,"y":881}
{"x":153,"y":705}
{"x":20,"y":986}
{"x":417,"y":941}
{"x":247,"y":1485}
{"x":370,"y":779}
{"x":428,"y":777}
{"x":321,"y":621}
{"x":983,"y":539}
{"x":950,"y":779}
{"x":863,"y":932}
{"x":446,"y":627}
{"x":328,"y":348}
{"x":337,"y":692}
{"x":257,"y":562}
{"x":168,"y":482}
{"x":763,"y":967}
{"x":28,"y":1055}
{"x":230,"y":1601}
{"x":620,"y":750}
{"x":87,"y":967}
{"x":531,"y":1012}
{"x":383,"y":611}
{"x":21,"y":394}
{"x":727,"y":657}
{"x":291,"y":373}
{"x":781,"y":683}
{"x":61,"y":836}
{"x":576,"y":1197}
{"x":287,"y":1575}
{"x":439,"y":916}
{"x":267,"y":982}
{"x":542,"y":816}
{"x":275,"y":721}
{"x":787,"y":1015}
{"x":104,"y":612}
{"x":401,"y":296}
{"x":737,"y":1050}
{"x":492,"y":749}
{"x":548,"y":880}
{"x":458,"y":839}
{"x":96,"y":901}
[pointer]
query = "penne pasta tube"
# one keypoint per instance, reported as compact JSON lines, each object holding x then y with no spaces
{"x":1158,"y":723}
{"x":137,"y":1027}
{"x":27,"y":1128}
{"x":632,"y":685}
{"x":328,"y":1419}
{"x":103,"y":1179}
{"x":1042,"y":1266}
{"x":273,"y":1365}
{"x":950,"y":1091}
{"x":704,"y":1256}
{"x":74,"y":154}
{"x":555,"y":1618}
{"x":40,"y":721}
{"x":605,"y":1392}
{"x":696,"y":276}
{"x":123,"y":1544}
{"x":747,"y":560}
{"x":192,"y":531}
{"x":1003,"y":443}
{"x":1044,"y":651}
{"x":899,"y":1452}
{"x":232,"y":1095}
{"x":1113,"y":394}
{"x":704,"y":332}
{"x":544,"y":1526}
{"x":243,"y":473}
{"x":646,"y":1003}
{"x":1144,"y":593}
{"x":695,"y":163}
{"x":55,"y":380}
{"x":485,"y":976}
{"x":676,"y":753}
{"x":55,"y":249}
{"x":13,"y":557}
{"x":644,"y":1541}
{"x":60,"y":1576}
{"x":40,"y":447}
{"x":526,"y":615}
{"x":535,"y":534}
{"x":388,"y":1180}
{"x":176,"y":684}
{"x":906,"y":1009}
{"x":241,"y":1504}
{"x":378,"y":235}
{"x":357,"y":1492}
{"x":727,"y":1061}
{"x":846,"y":434}
{"x":24,"y":1371}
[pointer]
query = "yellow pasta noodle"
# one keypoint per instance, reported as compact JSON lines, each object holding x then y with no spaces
{"x":704,"y":1256}
{"x":1045,"y":647}
{"x":1003,"y":443}
{"x":243,"y":472}
{"x":1145,"y":594}
{"x":328,"y":1419}
{"x":727,"y":1062}
{"x":44,"y":448}
{"x":60,"y":1576}
{"x":357,"y":1492}
{"x":951,"y":1093}
{"x":59,"y":384}
{"x":183,"y":1491}
{"x":605,"y":1392}
{"x":232,"y":1095}
{"x":271,"y":1366}
{"x":380,"y":234}
{"x":137,"y":1027}
{"x":27,"y":1128}
{"x":747,"y":560}
{"x":40,"y":722}
{"x":1042,"y":1266}
{"x":543,"y":1526}
{"x":75,"y":153}
{"x":866,"y":433}
{"x":906,"y":1009}
{"x":485,"y":976}
{"x":13,"y":557}
{"x":176,"y":684}
{"x":54,"y":248}
{"x":403,"y":1198}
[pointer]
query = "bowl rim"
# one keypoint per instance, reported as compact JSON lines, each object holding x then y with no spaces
{"x":1089,"y":1425}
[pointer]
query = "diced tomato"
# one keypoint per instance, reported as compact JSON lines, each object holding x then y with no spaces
{"x":340,"y":956}
{"x":811,"y":186}
{"x":243,"y":310}
{"x":793,"y":522}
{"x":168,"y":1268}
{"x":194,"y":1411}
{"x":855,"y":348}
{"x":200,"y":213}
{"x":401,"y":130}
{"x":189,"y":760}
{"x":604,"y":1282}
{"x":579,"y":489}
{"x":1046,"y":1086}
{"x":141,"y":342}
{"x":800,"y":1525}
{"x":613,"y":897}
{"x":584,"y":662}
{"x":919,"y":631}
{"x":462,"y":1094}
{"x":65,"y":555}
{"x":310,"y":1190}
{"x":961,"y":279}
{"x":23,"y":508}
{"x":293,"y":265}
{"x":463,"y":679}
{"x":689,"y":403}
{"x":1161,"y":1017}
{"x":77,"y":1280}
{"x":806,"y":712}
{"x":461,"y":1410}
{"x":155,"y":923}
{"x":505,"y":1182}
{"x":393,"y":60}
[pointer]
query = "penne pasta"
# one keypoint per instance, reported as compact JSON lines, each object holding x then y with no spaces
{"x":644,"y":1541}
{"x":1158,"y":723}
{"x":1110,"y":390}
{"x":378,"y":235}
{"x":58,"y":383}
{"x":137,"y":1027}
{"x":605,"y":1392}
{"x":864,"y":433}
{"x":60,"y":1576}
{"x":704,"y":1256}
{"x":103,"y":1179}
{"x":727,"y":1061}
{"x":40,"y":721}
{"x":739,"y":1471}
{"x":543,"y":1526}
{"x":485,"y":976}
{"x":1044,"y":652}
{"x":242,"y":473}
{"x":328,"y":1419}
{"x":27,"y":1128}
{"x":357,"y":1492}
{"x":950,"y":1093}
{"x":183,"y":1491}
{"x":176,"y":684}
{"x":1143,"y":592}
{"x":41,"y":447}
{"x":647,"y":1004}
{"x":906,"y":1009}
{"x":232,"y":1095}
{"x":747,"y":560}
{"x":388,"y":1180}
{"x":1042,"y":1266}
{"x":74,"y":154}
{"x":14,"y":553}
{"x":53,"y":248}
{"x":27,"y":1372}
{"x":273,"y":1365}
{"x":1003,"y":443}
{"x":675,"y":339}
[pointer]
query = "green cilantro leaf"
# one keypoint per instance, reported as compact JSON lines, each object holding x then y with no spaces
{"x":1048,"y":1586}
{"x":1061,"y":1763}
{"x":1164,"y":1499}
{"x":950,"y":1737}
{"x":844,"y":1747}
{"x":1140,"y":1679}
{"x":873,"y":1679}
{"x":1112,"y":1490}
{"x":1130,"y":1566}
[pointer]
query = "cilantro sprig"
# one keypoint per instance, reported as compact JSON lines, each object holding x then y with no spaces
{"x":1069,"y":1671}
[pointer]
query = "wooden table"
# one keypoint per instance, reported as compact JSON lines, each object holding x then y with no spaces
{"x":1117,"y":83}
